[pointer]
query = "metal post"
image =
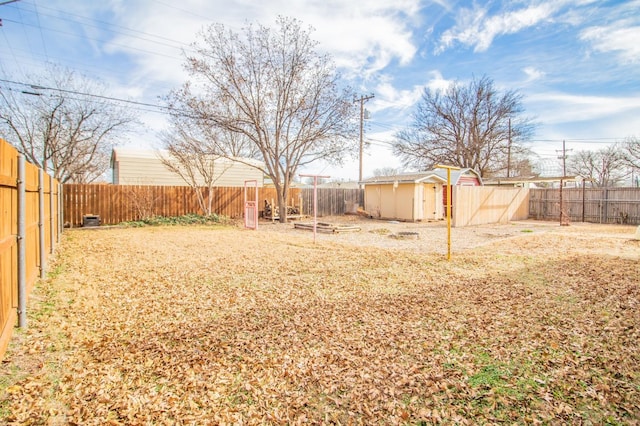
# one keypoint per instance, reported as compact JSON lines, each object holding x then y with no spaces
{"x":315,"y":202}
{"x":315,"y":207}
{"x":22,"y":241}
{"x":449,"y":201}
{"x":52,"y":219}
{"x":255,"y":211}
{"x":41,"y":247}
{"x":449,"y":196}
{"x":561,"y":203}
{"x":60,"y":210}
{"x":583,"y":190}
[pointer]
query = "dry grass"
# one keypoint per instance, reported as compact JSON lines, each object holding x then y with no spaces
{"x":196,"y":325}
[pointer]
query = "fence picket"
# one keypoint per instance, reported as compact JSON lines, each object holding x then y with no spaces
{"x":597,"y":205}
{"x":120,"y":203}
{"x":41,"y":222}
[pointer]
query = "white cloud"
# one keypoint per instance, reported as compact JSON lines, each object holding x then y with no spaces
{"x":387,"y":96}
{"x":562,"y":107}
{"x":533,"y":73}
{"x":362,"y":37}
{"x":475,"y":27}
{"x":438,"y":82}
{"x":615,"y":38}
{"x":567,"y":116}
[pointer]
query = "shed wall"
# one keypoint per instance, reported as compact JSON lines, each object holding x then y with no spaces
{"x":409,"y":201}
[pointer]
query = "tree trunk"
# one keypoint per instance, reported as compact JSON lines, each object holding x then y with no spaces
{"x":282,"y":202}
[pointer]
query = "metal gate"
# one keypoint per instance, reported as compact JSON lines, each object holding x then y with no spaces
{"x":251,"y":206}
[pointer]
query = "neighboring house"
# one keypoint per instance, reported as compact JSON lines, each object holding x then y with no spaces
{"x":144,"y":167}
{"x":408,"y":196}
{"x":535,"y":181}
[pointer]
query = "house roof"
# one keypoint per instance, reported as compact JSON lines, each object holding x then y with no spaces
{"x":418,"y":177}
{"x":158,"y":154}
{"x":532,"y":179}
{"x":429,"y":176}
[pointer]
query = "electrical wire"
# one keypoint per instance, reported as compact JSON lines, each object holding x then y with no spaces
{"x":74,"y":92}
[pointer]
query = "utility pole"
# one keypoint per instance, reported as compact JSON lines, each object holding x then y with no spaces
{"x":509,"y":151}
{"x":564,"y":158}
{"x":362,"y":100}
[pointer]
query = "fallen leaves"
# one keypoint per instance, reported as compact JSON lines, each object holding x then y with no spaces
{"x":193,"y":326}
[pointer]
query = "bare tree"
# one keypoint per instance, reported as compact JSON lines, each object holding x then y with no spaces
{"x":271,"y":88}
{"x":466,"y":126}
{"x":387,"y":171}
{"x":58,"y":126}
{"x":631,"y":152}
{"x":606,"y":166}
{"x":196,"y":166}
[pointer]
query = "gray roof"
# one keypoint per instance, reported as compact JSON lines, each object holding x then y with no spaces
{"x":430,"y":176}
{"x":415,"y":177}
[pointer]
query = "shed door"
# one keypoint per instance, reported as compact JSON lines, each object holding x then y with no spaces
{"x":429,"y":200}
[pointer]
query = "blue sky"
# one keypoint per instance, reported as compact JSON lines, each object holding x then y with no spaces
{"x":576,"y":62}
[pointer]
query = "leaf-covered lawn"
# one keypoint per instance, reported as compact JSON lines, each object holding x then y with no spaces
{"x":212,"y":325}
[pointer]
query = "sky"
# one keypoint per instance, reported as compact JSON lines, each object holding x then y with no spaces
{"x":575,"y":62}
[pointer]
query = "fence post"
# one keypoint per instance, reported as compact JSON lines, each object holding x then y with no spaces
{"x":22,"y":241}
{"x":60,"y":211}
{"x":41,"y":223}
{"x":51,"y":216}
{"x":606,"y":206}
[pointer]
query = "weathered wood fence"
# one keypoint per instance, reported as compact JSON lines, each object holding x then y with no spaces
{"x":478,"y":205}
{"x":597,"y":205}
{"x":333,"y":201}
{"x":29,"y":229}
{"x":120,"y":203}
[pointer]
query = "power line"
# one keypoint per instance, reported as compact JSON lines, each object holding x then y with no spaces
{"x":44,"y":45}
{"x":74,"y":92}
{"x":85,"y":18}
{"x":129,"y":47}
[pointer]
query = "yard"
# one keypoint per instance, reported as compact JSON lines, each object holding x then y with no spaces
{"x":528,"y":323}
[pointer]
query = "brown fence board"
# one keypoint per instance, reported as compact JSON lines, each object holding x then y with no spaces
{"x":8,"y":248}
{"x":121,"y":203}
{"x":9,"y":232}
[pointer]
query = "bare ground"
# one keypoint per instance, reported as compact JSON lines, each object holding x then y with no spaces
{"x":528,"y":323}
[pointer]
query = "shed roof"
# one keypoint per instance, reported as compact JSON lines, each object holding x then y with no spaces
{"x":416,"y":177}
{"x":457,"y":174}
{"x":429,"y":176}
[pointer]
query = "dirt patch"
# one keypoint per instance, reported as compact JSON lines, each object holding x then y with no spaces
{"x":529,"y":322}
{"x":432,"y":237}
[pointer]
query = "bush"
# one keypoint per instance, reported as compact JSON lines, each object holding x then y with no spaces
{"x":188,"y":219}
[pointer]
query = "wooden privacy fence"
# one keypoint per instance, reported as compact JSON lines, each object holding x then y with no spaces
{"x":597,"y":205}
{"x":120,"y":203}
{"x":333,"y":201}
{"x":29,"y":229}
{"x":478,"y":205}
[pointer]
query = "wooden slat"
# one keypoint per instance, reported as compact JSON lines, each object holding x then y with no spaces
{"x":119,"y":203}
{"x":597,"y":205}
{"x":477,"y":205}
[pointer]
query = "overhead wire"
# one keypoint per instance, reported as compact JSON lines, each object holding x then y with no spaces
{"x":75,"y":92}
{"x":44,"y":44}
